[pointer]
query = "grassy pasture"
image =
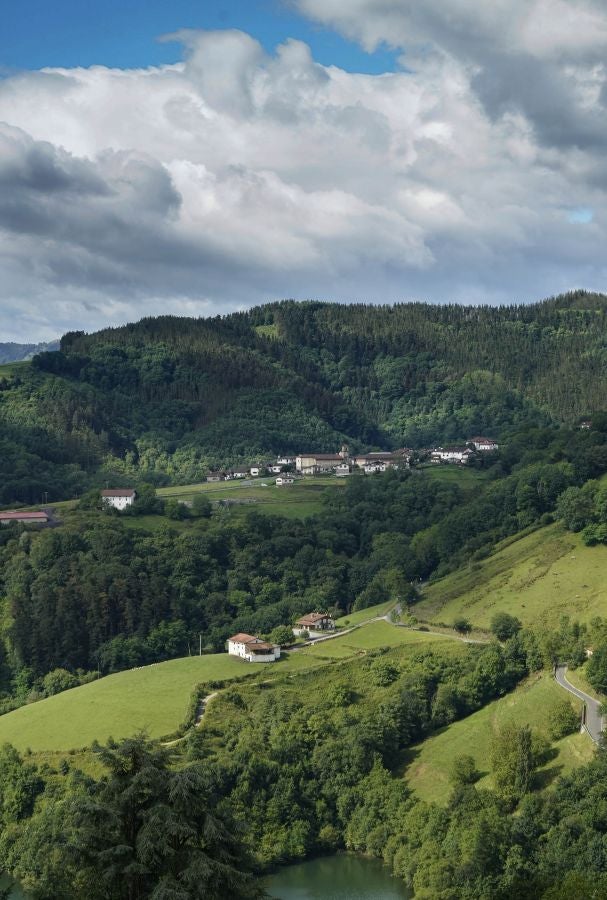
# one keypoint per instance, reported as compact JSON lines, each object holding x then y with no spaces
{"x":298,"y":500}
{"x":362,"y":615}
{"x":155,"y":698}
{"x":530,"y":703}
{"x":539,"y":578}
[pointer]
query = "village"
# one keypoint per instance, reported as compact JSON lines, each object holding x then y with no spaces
{"x":287,"y":468}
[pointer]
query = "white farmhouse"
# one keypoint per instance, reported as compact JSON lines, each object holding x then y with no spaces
{"x":459,"y":455}
{"x":484,"y":444}
{"x":118,"y":498}
{"x":283,"y":480}
{"x":252,"y":648}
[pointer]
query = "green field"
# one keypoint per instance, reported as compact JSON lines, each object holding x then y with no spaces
{"x":8,"y":369}
{"x":539,"y":578}
{"x":467,"y":479}
{"x":155,"y":698}
{"x":299,"y":500}
{"x":530,"y":703}
{"x":362,"y":615}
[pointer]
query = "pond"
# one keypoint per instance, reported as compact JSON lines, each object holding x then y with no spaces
{"x":341,"y":877}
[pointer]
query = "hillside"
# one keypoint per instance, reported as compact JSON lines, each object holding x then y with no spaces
{"x":428,"y":771}
{"x":538,"y":578}
{"x":166,"y":399}
{"x":155,"y":698}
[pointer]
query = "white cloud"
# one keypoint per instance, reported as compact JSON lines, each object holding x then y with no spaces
{"x":237,"y":176}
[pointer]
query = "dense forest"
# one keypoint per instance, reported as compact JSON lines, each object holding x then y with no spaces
{"x":167,"y":399}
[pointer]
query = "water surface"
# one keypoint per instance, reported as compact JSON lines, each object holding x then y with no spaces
{"x":341,"y":877}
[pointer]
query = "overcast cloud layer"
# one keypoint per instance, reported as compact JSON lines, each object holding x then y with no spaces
{"x":477,"y":174}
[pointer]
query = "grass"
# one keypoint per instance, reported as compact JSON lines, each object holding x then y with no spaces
{"x":155,"y":698}
{"x":299,"y":500}
{"x":531,"y":702}
{"x":9,"y":369}
{"x":376,"y":634}
{"x":539,"y":578}
{"x":577,"y":677}
{"x":362,"y":615}
{"x":467,"y":479}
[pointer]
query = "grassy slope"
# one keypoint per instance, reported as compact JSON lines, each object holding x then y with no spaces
{"x":538,"y":578}
{"x":156,"y":697}
{"x":428,"y":772}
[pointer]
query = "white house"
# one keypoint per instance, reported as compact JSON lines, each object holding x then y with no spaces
{"x":285,"y":461}
{"x":118,"y":498}
{"x":315,"y":463}
{"x":257,"y":470}
{"x":240,"y":473}
{"x":283,"y":480}
{"x":342,"y":469}
{"x":275,"y":469}
{"x":314,"y":624}
{"x":252,"y":648}
{"x":459,"y":455}
{"x":483,"y":444}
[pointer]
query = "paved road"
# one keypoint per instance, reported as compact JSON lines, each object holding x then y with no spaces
{"x":594,"y":721}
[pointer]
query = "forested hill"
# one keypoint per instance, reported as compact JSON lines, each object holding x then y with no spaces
{"x":168,"y":398}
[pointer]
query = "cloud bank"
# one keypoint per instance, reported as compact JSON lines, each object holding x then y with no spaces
{"x":238,"y":176}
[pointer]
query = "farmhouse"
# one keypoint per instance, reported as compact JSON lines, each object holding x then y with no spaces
{"x":315,"y":463}
{"x":342,"y":469}
{"x":240,"y":473}
{"x":459,"y":455}
{"x":252,"y":648}
{"x":27,"y":518}
{"x":216,"y":476}
{"x":118,"y":498}
{"x":314,"y":623}
{"x":483,"y":444}
{"x":283,"y":480}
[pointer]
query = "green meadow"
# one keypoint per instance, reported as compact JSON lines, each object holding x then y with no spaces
{"x":539,"y":578}
{"x":155,"y":698}
{"x":299,"y":500}
{"x":531,"y":703}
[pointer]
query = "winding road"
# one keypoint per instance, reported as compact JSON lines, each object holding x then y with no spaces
{"x":593,"y":721}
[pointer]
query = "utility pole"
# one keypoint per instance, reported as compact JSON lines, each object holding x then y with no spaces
{"x":200,"y":645}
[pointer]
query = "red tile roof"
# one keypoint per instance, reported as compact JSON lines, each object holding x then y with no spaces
{"x":118,"y":492}
{"x":242,"y":638}
{"x":17,"y":516}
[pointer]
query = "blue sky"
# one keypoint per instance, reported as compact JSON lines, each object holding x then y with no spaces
{"x":124,"y":33}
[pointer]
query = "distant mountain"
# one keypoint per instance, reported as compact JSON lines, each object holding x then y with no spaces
{"x":17,"y":352}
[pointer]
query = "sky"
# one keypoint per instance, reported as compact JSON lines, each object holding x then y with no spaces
{"x":200,"y":157}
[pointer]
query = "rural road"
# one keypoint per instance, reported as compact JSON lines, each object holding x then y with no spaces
{"x":593,"y":721}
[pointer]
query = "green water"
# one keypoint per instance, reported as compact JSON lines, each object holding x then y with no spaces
{"x":342,"y":877}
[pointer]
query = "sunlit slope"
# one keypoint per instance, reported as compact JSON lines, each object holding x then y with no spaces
{"x":530,"y":704}
{"x":155,"y":698}
{"x":538,"y":578}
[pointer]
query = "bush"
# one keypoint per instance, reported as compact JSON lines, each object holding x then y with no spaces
{"x":462,"y":626}
{"x":563,"y":720}
{"x":463,"y":770}
{"x":505,"y":626}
